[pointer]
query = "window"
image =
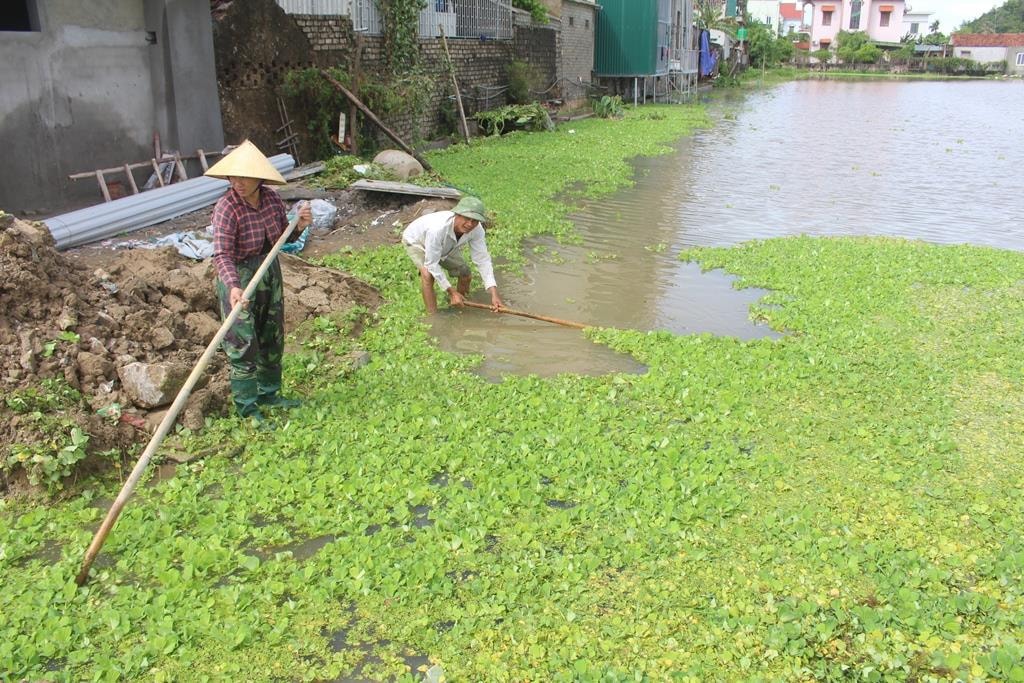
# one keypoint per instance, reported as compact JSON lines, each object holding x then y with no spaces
{"x":1020,"y":59}
{"x":586,"y":23}
{"x":855,"y":15}
{"x":965,"y":53}
{"x":885,"y":19}
{"x":914,"y":27}
{"x":826,"y":17}
{"x":19,"y":15}
{"x":570,"y":21}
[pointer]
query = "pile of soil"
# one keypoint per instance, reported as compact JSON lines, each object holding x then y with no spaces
{"x":93,"y":315}
{"x":86,"y":320}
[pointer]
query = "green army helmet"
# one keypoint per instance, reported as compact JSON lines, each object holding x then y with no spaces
{"x":471,"y":207}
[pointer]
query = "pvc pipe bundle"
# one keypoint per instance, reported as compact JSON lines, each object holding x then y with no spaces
{"x":143,"y":209}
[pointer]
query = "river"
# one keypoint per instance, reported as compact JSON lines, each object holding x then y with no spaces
{"x":940,"y":161}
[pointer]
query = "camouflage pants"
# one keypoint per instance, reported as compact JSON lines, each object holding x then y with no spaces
{"x":255,"y":342}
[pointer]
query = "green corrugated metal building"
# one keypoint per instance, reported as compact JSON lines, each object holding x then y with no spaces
{"x":633,"y":38}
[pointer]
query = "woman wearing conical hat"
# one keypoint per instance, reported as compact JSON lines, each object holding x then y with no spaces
{"x":247,"y":222}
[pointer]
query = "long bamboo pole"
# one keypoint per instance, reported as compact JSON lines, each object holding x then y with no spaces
{"x":524,"y":314}
{"x":172,"y":413}
{"x":373,"y":117}
{"x":455,"y":82}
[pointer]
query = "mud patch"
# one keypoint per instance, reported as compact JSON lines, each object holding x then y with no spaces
{"x":79,"y":323}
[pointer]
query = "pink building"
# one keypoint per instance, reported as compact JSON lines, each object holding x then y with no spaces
{"x":881,"y":20}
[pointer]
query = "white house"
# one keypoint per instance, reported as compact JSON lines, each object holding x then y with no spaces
{"x":986,"y":48}
{"x":916,"y":24}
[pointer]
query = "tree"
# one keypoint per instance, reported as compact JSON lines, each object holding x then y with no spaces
{"x":934,"y":27}
{"x":1006,"y":19}
{"x":767,"y":48}
{"x":848,"y":43}
{"x":537,"y":11}
{"x":708,"y":15}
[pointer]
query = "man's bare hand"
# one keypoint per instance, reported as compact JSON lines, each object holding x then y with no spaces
{"x":456,"y":298}
{"x":235,"y":296}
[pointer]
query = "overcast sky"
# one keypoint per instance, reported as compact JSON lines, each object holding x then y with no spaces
{"x":951,"y":13}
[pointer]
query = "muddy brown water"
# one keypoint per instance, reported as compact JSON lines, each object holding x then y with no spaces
{"x":934,"y":160}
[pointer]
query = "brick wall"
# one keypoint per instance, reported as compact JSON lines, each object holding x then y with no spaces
{"x":256,"y":45}
{"x":481,"y":68}
{"x":539,"y":46}
{"x":577,"y":61}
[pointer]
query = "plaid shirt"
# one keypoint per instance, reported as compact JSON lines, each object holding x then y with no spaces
{"x":240,"y":231}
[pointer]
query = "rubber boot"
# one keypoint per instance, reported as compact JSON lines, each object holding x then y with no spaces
{"x":278,"y":401}
{"x":269,"y":384}
{"x":245,"y":393}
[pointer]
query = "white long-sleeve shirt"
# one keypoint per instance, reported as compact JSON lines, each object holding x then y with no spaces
{"x":435,"y":232}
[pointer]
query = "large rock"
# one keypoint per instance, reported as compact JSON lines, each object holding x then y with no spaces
{"x":401,"y":164}
{"x":150,"y":385}
{"x":202,"y":326}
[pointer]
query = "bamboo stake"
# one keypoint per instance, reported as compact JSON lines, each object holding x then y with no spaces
{"x":524,"y":314}
{"x":373,"y":117}
{"x":172,"y":413}
{"x":455,"y":82}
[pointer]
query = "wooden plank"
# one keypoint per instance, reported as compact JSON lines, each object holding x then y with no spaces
{"x":455,"y":82}
{"x":312,"y":169}
{"x":180,"y":167}
{"x":405,"y":188}
{"x":159,"y":175}
{"x":373,"y":117}
{"x":131,"y":179}
{"x":202,"y":160}
{"x":103,"y":186}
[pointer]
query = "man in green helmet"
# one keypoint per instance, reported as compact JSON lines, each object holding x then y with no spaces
{"x":434,"y":243}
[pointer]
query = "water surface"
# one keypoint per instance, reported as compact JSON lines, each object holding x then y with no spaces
{"x":934,"y":160}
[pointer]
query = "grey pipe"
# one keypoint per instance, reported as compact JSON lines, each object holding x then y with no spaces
{"x":144,"y":209}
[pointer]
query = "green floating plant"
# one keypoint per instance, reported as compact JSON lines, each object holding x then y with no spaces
{"x":843,"y":502}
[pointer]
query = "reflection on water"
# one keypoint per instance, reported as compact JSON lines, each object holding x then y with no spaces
{"x":932,"y":160}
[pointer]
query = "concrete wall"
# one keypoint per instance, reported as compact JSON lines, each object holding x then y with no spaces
{"x":1014,"y":60}
{"x":986,"y":55}
{"x":88,"y":90}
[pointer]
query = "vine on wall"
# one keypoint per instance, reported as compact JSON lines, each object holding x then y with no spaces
{"x":401,"y":20}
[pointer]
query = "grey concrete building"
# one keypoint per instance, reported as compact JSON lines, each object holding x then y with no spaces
{"x":578,"y":21}
{"x":85,"y":85}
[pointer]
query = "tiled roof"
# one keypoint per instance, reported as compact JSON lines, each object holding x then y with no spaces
{"x":988,"y":39}
{"x":789,"y":12}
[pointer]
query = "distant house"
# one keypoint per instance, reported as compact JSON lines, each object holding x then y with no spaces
{"x":792,"y":17}
{"x":986,"y":48}
{"x":882,"y":21}
{"x":916,"y":24}
{"x":643,"y":48}
{"x":764,"y":11}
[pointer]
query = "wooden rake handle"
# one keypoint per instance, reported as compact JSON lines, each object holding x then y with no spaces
{"x":524,"y":314}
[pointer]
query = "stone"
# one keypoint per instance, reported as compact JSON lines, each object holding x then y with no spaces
{"x":398,"y":162}
{"x":174,"y":304}
{"x":162,"y":338}
{"x":94,"y":365}
{"x":202,"y":326}
{"x":151,"y":385}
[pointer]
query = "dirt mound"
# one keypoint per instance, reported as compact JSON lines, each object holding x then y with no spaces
{"x":124,"y":335}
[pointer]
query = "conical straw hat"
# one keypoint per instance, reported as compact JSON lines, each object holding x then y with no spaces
{"x":246,"y":161}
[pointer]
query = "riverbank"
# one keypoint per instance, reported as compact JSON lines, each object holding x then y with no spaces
{"x":777,"y":75}
{"x":843,"y":501}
